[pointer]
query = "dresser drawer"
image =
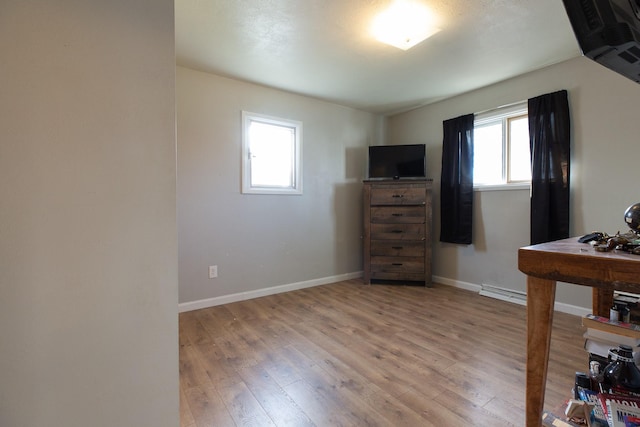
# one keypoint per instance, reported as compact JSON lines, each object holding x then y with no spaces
{"x":397,"y":214}
{"x":398,"y":231}
{"x":398,"y":196}
{"x":397,"y":264}
{"x":399,"y":276}
{"x":397,"y":248}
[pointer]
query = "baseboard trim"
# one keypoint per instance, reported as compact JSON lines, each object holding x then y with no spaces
{"x":242,"y":296}
{"x":457,"y":284}
{"x":488,"y":291}
{"x":504,"y":294}
{"x":492,"y":292}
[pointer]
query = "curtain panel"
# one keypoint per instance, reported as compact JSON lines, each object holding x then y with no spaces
{"x":549,"y":140}
{"x":456,"y":184}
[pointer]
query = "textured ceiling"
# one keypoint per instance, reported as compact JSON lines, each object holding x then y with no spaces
{"x":323,"y":48}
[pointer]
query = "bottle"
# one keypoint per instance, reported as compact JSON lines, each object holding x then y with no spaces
{"x":622,"y":371}
{"x":614,"y":314}
{"x":582,"y":383}
{"x":597,"y":375}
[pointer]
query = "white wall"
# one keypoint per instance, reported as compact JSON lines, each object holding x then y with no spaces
{"x":88,"y":248}
{"x":263,"y":241}
{"x":605,"y":152}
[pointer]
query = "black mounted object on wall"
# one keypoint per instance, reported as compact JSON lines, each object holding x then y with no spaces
{"x":608,"y":31}
{"x":397,"y":161}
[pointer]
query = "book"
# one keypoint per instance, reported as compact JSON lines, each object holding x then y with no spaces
{"x":606,"y":336}
{"x":625,"y":298}
{"x":551,"y":420}
{"x":618,"y":406}
{"x":597,"y":418}
{"x":630,"y":421}
{"x":618,"y":411}
{"x":604,"y":324}
{"x":602,"y":405}
{"x":601,"y":348}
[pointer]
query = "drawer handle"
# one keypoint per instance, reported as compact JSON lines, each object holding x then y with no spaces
{"x":397,"y":195}
{"x":396,"y":263}
{"x":396,"y":247}
{"x":396,"y":231}
{"x":396,"y":214}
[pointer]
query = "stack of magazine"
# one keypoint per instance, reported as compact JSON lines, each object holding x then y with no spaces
{"x":594,"y":403}
{"x":602,"y":335}
{"x":615,"y":407}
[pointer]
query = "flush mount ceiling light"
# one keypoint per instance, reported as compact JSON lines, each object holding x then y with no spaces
{"x":404,"y":24}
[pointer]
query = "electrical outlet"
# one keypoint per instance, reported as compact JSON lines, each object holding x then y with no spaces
{"x":213,"y":271}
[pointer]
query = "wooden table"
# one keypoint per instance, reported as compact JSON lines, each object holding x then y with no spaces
{"x":572,"y":262}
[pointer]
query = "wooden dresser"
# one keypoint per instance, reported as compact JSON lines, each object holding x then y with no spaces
{"x":397,"y":230}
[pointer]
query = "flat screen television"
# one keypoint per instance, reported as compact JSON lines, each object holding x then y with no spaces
{"x":397,"y":161}
{"x":608,"y":31}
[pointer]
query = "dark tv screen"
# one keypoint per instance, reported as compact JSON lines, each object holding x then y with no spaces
{"x":397,"y":161}
{"x":608,"y":31}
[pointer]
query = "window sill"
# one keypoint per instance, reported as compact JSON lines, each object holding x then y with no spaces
{"x":503,"y":187}
{"x":285,"y":192}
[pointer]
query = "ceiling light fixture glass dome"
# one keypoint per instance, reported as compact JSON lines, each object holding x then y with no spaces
{"x":404,"y":24}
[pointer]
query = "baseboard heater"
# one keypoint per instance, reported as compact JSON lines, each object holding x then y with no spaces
{"x":503,"y":294}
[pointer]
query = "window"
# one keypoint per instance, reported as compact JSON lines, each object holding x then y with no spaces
{"x":271,"y":153}
{"x":501,"y":147}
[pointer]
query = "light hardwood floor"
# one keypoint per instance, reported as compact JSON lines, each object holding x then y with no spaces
{"x":349,"y":354}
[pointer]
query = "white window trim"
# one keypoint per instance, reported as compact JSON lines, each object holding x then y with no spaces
{"x":247,"y":188}
{"x":490,"y":116}
{"x":503,"y":187}
{"x":516,"y":109}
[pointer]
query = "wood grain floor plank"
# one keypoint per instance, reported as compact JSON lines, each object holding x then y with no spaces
{"x":316,"y":405}
{"x":377,"y":405}
{"x":348,"y":354}
{"x":186,"y":417}
{"x":280,"y":407}
{"x":207,"y":408}
{"x":508,"y":408}
{"x":470,"y":414}
{"x":192,"y":372}
{"x":243,"y":406}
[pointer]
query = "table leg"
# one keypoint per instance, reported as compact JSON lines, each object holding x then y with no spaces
{"x":540,"y":299}
{"x":602,"y":300}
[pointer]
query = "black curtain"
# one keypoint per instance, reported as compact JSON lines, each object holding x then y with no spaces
{"x":549,"y":134}
{"x":456,"y":184}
